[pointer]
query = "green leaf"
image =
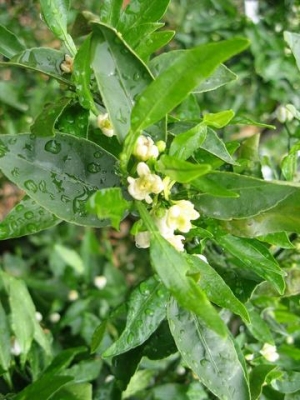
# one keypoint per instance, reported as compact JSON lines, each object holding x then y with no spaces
{"x":177,"y":81}
{"x":258,"y":327}
{"x":141,"y":12}
{"x":186,"y":143}
{"x":255,"y":257}
{"x":218,"y":120}
{"x":110,"y":11}
{"x":9,"y":43}
{"x":60,"y":174}
{"x":146,"y":310}
{"x":44,"y":388}
{"x":140,"y":381}
{"x":98,"y":336}
{"x":74,"y":391}
{"x":40,"y":59}
{"x":216,"y":289}
{"x":10,"y":95}
{"x":289,"y":163}
{"x":206,"y":185}
{"x":256,"y":196}
{"x":82,"y":76}
{"x":221,"y":76}
{"x":289,"y":382}
{"x":109,"y":203}
{"x":44,"y":124}
{"x":280,"y":239}
{"x":26,"y":218}
{"x":293,"y":40}
{"x":74,"y":120}
{"x":125,"y":365}
{"x":120,"y":75}
{"x":258,"y":377}
{"x":5,"y":340}
{"x":179,"y":170}
{"x":152,"y":43}
{"x":137,"y":35}
{"x":160,"y":344}
{"x":172,"y":267}
{"x":63,"y":360}
{"x":214,"y":145}
{"x":70,"y":257}
{"x":211,"y":357}
{"x":55,"y":14}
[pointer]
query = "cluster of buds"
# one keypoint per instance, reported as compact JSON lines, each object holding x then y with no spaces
{"x":269,"y":352}
{"x":176,"y":218}
{"x":67,"y":65}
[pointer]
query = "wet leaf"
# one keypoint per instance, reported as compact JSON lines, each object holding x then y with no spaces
{"x":74,"y":120}
{"x":60,"y":174}
{"x":289,"y":382}
{"x":120,"y":75}
{"x":44,"y":124}
{"x":293,"y":40}
{"x":218,"y":120}
{"x":211,"y":357}
{"x":146,"y":310}
{"x":26,"y":218}
{"x":9,"y":43}
{"x":152,"y":43}
{"x":172,"y":267}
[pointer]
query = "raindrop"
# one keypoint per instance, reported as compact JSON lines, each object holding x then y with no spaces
{"x":93,"y":168}
{"x":43,"y":186}
{"x":3,"y":149}
{"x":98,"y":154}
{"x":32,"y":136}
{"x":15,"y":172}
{"x":144,"y":289}
{"x":65,"y":199}
{"x":4,"y":231}
{"x":149,"y":312}
{"x":12,"y":141}
{"x":204,"y":362}
{"x":28,"y":215}
{"x":31,"y":186}
{"x":31,"y":228}
{"x":130,"y":338}
{"x":19,"y":207}
{"x":160,"y":293}
{"x":28,"y":146}
{"x":136,"y":76}
{"x":53,"y":147}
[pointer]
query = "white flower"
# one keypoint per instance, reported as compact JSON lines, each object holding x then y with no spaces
{"x":100,"y":282}
{"x":147,"y":183}
{"x":105,"y":125}
{"x":54,"y":317}
{"x":15,"y":347}
{"x":285,"y":113}
{"x":180,"y":215}
{"x":38,"y":316}
{"x":176,"y":241}
{"x":145,"y":148}
{"x":142,"y":240}
{"x":73,"y":295}
{"x":202,"y":257}
{"x":269,"y":352}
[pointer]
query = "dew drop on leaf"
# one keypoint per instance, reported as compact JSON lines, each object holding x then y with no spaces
{"x":130,"y":338}
{"x":19,"y":207}
{"x":98,"y":154}
{"x":4,"y":231}
{"x":28,"y":215}
{"x":93,"y":168}
{"x":31,"y":186}
{"x":144,"y":289}
{"x":136,"y":76}
{"x":53,"y":146}
{"x":149,"y":312}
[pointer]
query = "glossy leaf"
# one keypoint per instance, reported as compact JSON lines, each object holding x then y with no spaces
{"x":180,"y":170}
{"x":74,"y":391}
{"x":160,"y":344}
{"x":9,"y":43}
{"x":288,"y":383}
{"x":258,"y":327}
{"x":216,"y":289}
{"x":44,"y":124}
{"x":280,"y":239}
{"x":74,"y":120}
{"x":221,"y":76}
{"x":120,"y":75}
{"x":211,"y":357}
{"x":55,"y":14}
{"x":27,"y":217}
{"x":41,"y":59}
{"x":146,"y":310}
{"x":214,"y":145}
{"x":109,"y":204}
{"x":140,"y":381}
{"x":172,"y":267}
{"x":293,"y":40}
{"x":218,"y":120}
{"x":206,"y":185}
{"x":43,"y":388}
{"x":186,"y":143}
{"x":136,"y":35}
{"x":258,"y":378}
{"x":255,"y":197}
{"x":63,"y":360}
{"x":81,"y":76}
{"x":5,"y":340}
{"x":125,"y":365}
{"x":174,"y":83}
{"x":60,"y":174}
{"x":154,"y":42}
{"x":110,"y":11}
{"x":255,"y":257}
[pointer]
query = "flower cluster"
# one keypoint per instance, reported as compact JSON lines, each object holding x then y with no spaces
{"x":178,"y":216}
{"x":269,"y":352}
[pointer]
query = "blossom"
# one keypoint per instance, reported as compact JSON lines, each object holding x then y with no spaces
{"x":142,"y":240}
{"x":179,"y":215}
{"x":145,"y":148}
{"x":269,"y":352}
{"x":176,"y":241}
{"x":147,"y":183}
{"x":105,"y":125}
{"x":100,"y":282}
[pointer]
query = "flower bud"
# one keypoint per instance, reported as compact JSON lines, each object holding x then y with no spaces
{"x":103,"y":122}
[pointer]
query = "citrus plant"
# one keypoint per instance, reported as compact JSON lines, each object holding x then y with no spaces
{"x":125,"y":140}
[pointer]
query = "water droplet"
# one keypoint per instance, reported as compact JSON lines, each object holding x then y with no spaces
{"x":136,"y":76}
{"x":130,"y":338}
{"x":93,"y":168}
{"x":43,"y":186}
{"x":53,"y":146}
{"x":161,"y":293}
{"x":121,"y":117}
{"x":31,"y":186}
{"x":31,"y":228}
{"x":15,"y":172}
{"x":65,"y":199}
{"x":28,"y":215}
{"x":144,"y":289}
{"x":32,"y":136}
{"x":4,"y":231}
{"x":28,"y":147}
{"x":98,"y":154}
{"x":19,"y":207}
{"x":12,"y":141}
{"x":149,"y":312}
{"x":204,"y":362}
{"x":3,"y":149}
